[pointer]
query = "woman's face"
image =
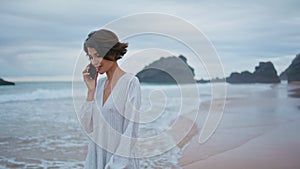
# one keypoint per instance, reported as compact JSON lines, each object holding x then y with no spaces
{"x":102,"y":65}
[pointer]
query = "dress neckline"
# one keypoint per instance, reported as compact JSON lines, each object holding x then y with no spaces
{"x":103,"y":85}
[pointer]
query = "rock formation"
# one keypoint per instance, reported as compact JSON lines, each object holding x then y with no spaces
{"x":283,"y":76}
{"x":264,"y":73}
{"x":293,"y":71}
{"x":244,"y":77}
{"x":168,"y":70}
{"x":3,"y":82}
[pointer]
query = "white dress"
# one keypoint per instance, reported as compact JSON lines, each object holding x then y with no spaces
{"x":110,"y":123}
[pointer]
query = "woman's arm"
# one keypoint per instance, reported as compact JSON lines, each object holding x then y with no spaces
{"x":89,"y":106}
{"x":86,"y":115}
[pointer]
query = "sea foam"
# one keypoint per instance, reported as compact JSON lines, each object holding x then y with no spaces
{"x":38,"y":94}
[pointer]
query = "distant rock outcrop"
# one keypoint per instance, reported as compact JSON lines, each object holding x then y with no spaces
{"x":283,"y":76}
{"x":202,"y":81}
{"x":3,"y":82}
{"x":168,"y":70}
{"x":264,"y":73}
{"x":244,"y":77}
{"x":293,"y":71}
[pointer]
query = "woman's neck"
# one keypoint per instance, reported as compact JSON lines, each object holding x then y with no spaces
{"x":114,"y":73}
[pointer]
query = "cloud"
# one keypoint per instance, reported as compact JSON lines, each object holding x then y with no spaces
{"x":51,"y":32}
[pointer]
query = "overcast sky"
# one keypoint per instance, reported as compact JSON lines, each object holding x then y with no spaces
{"x":42,"y":39}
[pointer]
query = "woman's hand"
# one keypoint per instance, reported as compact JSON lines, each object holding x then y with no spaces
{"x":90,"y":83}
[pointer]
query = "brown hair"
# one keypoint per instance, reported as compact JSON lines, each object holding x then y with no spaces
{"x":116,"y":52}
{"x":106,"y":43}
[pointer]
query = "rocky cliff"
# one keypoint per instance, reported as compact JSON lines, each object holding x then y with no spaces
{"x":3,"y":82}
{"x":264,"y":73}
{"x":168,"y":70}
{"x":293,"y":71}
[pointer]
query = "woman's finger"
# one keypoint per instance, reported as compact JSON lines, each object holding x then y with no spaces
{"x":85,"y":73}
{"x":86,"y":69}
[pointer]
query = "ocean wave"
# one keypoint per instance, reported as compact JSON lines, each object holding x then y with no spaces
{"x":38,"y":94}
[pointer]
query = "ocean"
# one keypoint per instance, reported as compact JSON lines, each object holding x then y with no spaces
{"x":40,"y":129}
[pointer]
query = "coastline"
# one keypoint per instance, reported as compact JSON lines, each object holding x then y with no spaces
{"x":256,"y":131}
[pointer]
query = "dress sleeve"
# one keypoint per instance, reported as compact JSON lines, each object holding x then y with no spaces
{"x":86,"y":115}
{"x":87,"y":111}
{"x":127,"y":146}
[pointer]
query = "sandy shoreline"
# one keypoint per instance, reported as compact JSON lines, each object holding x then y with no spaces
{"x":257,"y":131}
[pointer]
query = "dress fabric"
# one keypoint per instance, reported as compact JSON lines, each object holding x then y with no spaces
{"x":119,"y":113}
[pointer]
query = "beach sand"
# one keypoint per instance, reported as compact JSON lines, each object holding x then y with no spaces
{"x":256,"y":131}
{"x":259,"y":129}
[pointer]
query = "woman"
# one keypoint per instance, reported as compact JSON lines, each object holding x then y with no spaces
{"x":110,"y":112}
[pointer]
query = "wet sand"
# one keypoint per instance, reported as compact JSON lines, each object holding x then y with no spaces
{"x":257,"y":131}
